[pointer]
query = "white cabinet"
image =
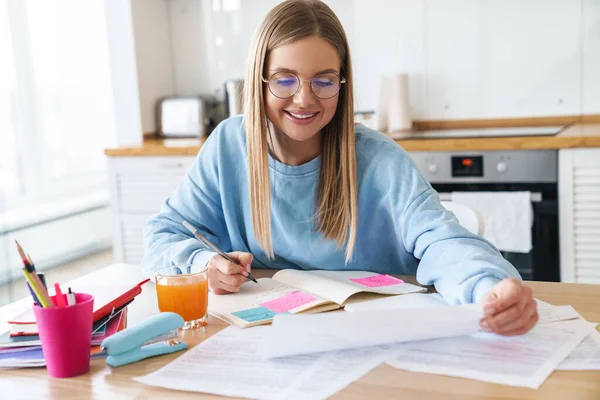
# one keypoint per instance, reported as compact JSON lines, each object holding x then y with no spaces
{"x":579,"y":210}
{"x":138,"y":187}
{"x":504,"y":59}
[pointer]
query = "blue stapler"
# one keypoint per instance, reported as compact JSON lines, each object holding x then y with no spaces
{"x":153,"y":337}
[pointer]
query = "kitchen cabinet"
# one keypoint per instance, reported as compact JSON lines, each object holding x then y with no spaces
{"x":503,"y":59}
{"x":579,"y":215}
{"x":139,"y":185}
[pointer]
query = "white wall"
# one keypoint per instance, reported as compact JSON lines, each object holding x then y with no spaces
{"x":466,"y":59}
{"x":591,"y":56}
{"x":122,"y":50}
{"x":154,"y":59}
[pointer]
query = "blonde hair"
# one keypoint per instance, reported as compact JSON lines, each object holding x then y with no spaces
{"x":336,"y":211}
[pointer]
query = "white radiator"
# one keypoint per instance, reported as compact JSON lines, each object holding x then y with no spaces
{"x":57,"y":241}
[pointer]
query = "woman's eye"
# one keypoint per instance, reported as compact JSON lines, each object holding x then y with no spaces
{"x":286,"y":82}
{"x":323,"y":82}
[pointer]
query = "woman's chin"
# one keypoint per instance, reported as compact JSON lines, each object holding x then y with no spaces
{"x":303,"y":136}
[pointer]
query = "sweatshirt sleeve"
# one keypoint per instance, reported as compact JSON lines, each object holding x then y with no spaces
{"x":462,"y":266}
{"x":196,"y":200}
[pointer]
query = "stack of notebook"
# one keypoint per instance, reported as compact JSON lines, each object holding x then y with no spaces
{"x":21,"y":347}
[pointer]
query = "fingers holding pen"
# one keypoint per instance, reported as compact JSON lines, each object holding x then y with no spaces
{"x":225,"y":276}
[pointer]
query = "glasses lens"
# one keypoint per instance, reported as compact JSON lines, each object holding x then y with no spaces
{"x":283,"y":84}
{"x":325,"y":86}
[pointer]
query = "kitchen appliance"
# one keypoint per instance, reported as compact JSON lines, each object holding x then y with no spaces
{"x":187,"y":116}
{"x":234,"y":90}
{"x":535,"y":171}
{"x":479,"y":132}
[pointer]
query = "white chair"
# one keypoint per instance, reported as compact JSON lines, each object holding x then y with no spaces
{"x":467,"y":217}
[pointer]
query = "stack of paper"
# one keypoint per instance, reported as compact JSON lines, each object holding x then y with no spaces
{"x":229,"y":364}
{"x":586,"y":356}
{"x":525,"y":360}
{"x":318,"y":355}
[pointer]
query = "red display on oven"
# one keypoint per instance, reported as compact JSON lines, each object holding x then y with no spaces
{"x":467,"y":166}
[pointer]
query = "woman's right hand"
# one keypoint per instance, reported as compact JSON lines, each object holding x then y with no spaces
{"x":226,"y":277}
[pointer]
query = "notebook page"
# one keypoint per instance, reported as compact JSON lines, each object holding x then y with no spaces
{"x":337,"y":285}
{"x":258,"y":303}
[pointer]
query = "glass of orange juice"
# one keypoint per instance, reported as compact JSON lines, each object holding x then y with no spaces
{"x":183,"y":289}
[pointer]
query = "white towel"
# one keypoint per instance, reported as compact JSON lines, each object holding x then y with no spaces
{"x":508,"y":217}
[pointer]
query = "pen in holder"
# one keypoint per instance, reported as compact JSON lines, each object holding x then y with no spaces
{"x":66,"y":336}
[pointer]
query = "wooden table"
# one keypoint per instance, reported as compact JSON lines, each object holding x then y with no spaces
{"x":382,"y":383}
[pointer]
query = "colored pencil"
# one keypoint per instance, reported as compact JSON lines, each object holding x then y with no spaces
{"x":31,"y":270}
{"x":34,"y":286}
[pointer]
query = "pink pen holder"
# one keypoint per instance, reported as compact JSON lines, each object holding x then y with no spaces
{"x":66,"y":335}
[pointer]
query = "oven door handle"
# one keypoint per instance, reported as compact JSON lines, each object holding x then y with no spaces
{"x":536,"y":197}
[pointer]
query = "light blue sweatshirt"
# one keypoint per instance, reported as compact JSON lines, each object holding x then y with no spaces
{"x":402,"y":227}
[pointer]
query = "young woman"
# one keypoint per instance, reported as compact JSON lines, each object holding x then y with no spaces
{"x":294,"y":183}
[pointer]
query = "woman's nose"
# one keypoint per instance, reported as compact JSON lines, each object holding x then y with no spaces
{"x":304,"y":97}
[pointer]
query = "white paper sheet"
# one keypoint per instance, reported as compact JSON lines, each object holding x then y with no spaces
{"x":414,"y":300}
{"x":336,"y":370}
{"x":525,"y":360}
{"x":549,"y":313}
{"x":305,"y":334}
{"x":227,"y":364}
{"x":586,"y":356}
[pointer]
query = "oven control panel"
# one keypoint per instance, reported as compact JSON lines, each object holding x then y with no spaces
{"x":467,"y":166}
{"x":488,"y":166}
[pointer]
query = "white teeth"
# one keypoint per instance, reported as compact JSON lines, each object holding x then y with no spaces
{"x":301,"y":116}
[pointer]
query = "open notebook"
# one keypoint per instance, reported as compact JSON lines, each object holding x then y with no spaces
{"x":295,"y":291}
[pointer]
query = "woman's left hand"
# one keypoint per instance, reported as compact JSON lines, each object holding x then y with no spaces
{"x":509,"y":309}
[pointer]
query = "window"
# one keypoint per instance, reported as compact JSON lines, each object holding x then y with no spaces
{"x":10,"y":186}
{"x":56,"y":105}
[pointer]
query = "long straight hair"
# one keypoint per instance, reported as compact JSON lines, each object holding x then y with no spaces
{"x":336,"y":208}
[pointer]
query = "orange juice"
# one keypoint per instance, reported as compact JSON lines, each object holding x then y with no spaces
{"x":184,"y":295}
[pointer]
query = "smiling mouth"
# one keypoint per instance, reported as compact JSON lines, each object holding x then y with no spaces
{"x":301,"y":116}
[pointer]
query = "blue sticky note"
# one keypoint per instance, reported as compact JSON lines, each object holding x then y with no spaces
{"x":255,"y":314}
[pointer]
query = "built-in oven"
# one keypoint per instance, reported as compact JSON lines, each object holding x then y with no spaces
{"x":535,"y":171}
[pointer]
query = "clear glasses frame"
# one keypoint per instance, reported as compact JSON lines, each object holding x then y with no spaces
{"x":300,"y":82}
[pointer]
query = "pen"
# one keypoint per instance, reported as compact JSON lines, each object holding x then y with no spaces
{"x":70,"y":298}
{"x":42,"y":277}
{"x":208,"y":243}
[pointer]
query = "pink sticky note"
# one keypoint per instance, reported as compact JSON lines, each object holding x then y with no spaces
{"x":377,"y":280}
{"x":289,"y":301}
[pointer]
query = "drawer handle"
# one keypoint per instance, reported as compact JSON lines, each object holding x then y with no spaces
{"x":178,"y":165}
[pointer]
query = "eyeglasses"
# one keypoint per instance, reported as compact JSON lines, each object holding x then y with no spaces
{"x":284,"y":85}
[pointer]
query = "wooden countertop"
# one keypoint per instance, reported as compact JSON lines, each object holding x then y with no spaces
{"x":579,"y":135}
{"x":383,"y":382}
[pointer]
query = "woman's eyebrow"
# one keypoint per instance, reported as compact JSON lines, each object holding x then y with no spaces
{"x":325,"y":71}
